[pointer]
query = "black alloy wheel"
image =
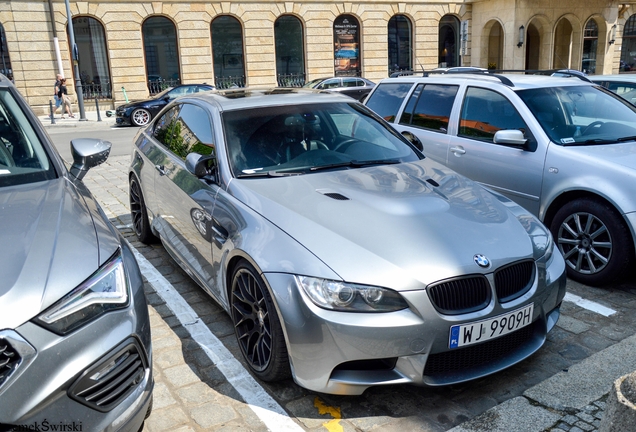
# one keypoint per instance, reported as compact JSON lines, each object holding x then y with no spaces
{"x":257,"y":326}
{"x":139,"y":213}
{"x":594,"y":240}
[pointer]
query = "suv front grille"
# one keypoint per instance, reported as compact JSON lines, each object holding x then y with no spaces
{"x":461,"y":295}
{"x":9,"y":360}
{"x":513,"y":281}
{"x":107,"y":383}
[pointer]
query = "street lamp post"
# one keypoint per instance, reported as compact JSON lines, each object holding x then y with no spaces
{"x":75,"y":60}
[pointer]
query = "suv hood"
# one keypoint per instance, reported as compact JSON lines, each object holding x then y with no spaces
{"x":50,"y":246}
{"x":397,"y":226}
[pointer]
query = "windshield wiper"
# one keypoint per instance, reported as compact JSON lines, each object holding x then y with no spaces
{"x":267,"y":174}
{"x":592,"y":141}
{"x":627,"y":138}
{"x":356,"y":164}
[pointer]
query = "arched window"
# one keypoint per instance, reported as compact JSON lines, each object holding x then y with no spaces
{"x":93,"y":59}
{"x":5,"y":61}
{"x":400,"y":48}
{"x":495,"y":46}
{"x":290,"y":53}
{"x":628,"y":60}
{"x":590,"y":44}
{"x":448,"y":41}
{"x":227,"y":52}
{"x":161,"y":54}
{"x":346,"y":45}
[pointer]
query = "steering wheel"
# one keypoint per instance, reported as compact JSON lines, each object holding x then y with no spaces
{"x":317,"y":145}
{"x":592,"y":125}
{"x":342,"y":146}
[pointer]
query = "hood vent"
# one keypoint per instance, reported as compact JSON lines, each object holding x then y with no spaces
{"x":333,"y":195}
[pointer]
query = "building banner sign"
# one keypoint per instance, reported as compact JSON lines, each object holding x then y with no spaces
{"x":346,"y":46}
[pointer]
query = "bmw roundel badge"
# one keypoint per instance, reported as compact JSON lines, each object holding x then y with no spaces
{"x":481,"y":261}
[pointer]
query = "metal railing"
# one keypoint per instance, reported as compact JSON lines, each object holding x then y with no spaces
{"x":291,"y":80}
{"x":157,"y":86}
{"x":97,"y":91}
{"x":226,"y":82}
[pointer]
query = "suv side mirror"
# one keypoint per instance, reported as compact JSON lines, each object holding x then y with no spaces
{"x":413,"y":140}
{"x":512,"y":137}
{"x":201,"y":166}
{"x":88,"y":153}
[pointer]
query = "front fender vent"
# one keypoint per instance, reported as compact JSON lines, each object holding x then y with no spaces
{"x":104,"y":385}
{"x":9,"y":360}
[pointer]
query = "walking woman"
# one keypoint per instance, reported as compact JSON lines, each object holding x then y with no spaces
{"x":66,"y":100}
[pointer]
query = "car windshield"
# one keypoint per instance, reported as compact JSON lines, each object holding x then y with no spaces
{"x":22,"y":156}
{"x":299,"y":139}
{"x":313,"y":83}
{"x":582,"y":115}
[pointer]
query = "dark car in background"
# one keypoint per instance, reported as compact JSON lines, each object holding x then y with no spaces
{"x":623,"y":85}
{"x":75,"y":345}
{"x":139,"y":113}
{"x":355,"y":87}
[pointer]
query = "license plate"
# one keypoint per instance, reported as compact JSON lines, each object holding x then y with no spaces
{"x":468,"y":334}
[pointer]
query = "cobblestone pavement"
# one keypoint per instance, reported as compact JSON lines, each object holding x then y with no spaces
{"x":191,"y":394}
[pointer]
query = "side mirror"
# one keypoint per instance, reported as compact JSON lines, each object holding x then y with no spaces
{"x":88,"y":153}
{"x":512,"y":137}
{"x":201,"y":166}
{"x":413,"y":140}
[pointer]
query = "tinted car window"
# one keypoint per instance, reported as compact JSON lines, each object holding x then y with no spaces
{"x":430,"y":107}
{"x":484,"y":112}
{"x":196,"y":129}
{"x":22,"y":156}
{"x":387,"y":99}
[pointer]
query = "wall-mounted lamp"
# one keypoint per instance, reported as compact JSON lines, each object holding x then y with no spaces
{"x":522,"y":35}
{"x":612,"y":37}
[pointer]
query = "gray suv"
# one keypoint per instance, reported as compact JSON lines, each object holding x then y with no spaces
{"x":564,"y":148}
{"x":75,"y":346}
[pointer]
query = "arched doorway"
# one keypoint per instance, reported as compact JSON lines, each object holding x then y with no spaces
{"x":448,"y":41}
{"x":562,"y":54}
{"x":495,"y":46}
{"x":590,"y":46}
{"x":533,"y":47}
{"x":227,"y":52}
{"x":290,"y":52}
{"x":399,"y":44}
{"x":161,"y":53}
{"x":628,"y":59}
{"x":93,"y":57}
{"x":346,"y":46}
{"x":5,"y":61}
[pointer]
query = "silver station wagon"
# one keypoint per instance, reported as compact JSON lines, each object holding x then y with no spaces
{"x":564,"y":148}
{"x":343,"y":256}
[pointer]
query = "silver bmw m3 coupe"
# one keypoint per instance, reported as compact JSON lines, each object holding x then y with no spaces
{"x":345,"y":257}
{"x":75,"y":347}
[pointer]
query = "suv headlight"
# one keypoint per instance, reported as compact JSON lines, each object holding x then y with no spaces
{"x":342,"y":296}
{"x":105,"y":290}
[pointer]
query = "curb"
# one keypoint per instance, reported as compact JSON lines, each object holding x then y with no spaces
{"x":90,"y":119}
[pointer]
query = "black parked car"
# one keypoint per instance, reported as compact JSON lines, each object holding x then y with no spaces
{"x":140,"y":113}
{"x":356,"y":87}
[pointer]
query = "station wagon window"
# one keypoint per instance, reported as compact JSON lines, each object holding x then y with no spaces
{"x":484,"y":112}
{"x":387,"y":99}
{"x":429,"y":107}
{"x":185,"y":129}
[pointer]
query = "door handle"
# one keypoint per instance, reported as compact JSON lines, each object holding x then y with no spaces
{"x":458,"y":151}
{"x":162,"y":170}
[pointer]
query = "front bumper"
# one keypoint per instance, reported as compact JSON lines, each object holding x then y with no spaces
{"x":345,"y":353}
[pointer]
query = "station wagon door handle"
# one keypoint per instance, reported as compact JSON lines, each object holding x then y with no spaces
{"x":458,"y":151}
{"x":162,"y":170}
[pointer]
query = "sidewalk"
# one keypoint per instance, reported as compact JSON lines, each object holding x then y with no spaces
{"x":91,"y":118}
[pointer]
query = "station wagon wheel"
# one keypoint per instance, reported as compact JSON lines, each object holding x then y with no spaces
{"x":257,"y":326}
{"x":139,"y":213}
{"x":594,"y":241}
{"x":140,"y":117}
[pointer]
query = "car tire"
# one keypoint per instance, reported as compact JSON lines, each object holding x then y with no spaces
{"x":139,"y":213}
{"x":594,"y":240}
{"x":140,"y":117}
{"x":257,"y":326}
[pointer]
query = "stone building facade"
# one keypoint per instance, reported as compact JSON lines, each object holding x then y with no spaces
{"x":120,"y":53}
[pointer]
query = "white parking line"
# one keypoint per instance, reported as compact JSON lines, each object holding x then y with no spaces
{"x":266,"y":408}
{"x":589,"y":305}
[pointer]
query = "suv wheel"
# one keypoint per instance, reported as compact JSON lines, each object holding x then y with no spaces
{"x":594,"y":241}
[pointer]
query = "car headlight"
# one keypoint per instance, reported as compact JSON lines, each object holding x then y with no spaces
{"x":105,"y":290}
{"x":342,"y":296}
